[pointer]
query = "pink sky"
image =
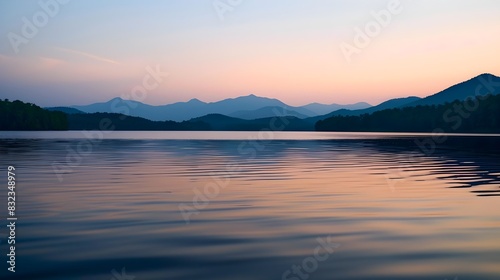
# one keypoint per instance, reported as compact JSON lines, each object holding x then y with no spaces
{"x":290,"y":52}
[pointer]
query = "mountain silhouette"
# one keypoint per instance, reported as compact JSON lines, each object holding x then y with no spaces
{"x":194,"y":108}
{"x":323,"y":109}
{"x":268,"y":112}
{"x":392,"y":103}
{"x":480,"y":85}
{"x":254,"y":113}
{"x":483,"y":117}
{"x":66,"y":110}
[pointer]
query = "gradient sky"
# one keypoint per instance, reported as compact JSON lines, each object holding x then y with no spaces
{"x":94,"y":50}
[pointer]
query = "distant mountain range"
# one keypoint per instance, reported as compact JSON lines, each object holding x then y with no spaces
{"x":252,"y":112}
{"x":323,"y":109}
{"x":246,"y":107}
{"x":293,"y":122}
{"x":182,"y":111}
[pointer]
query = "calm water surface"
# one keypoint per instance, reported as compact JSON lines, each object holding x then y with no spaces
{"x":255,"y":208}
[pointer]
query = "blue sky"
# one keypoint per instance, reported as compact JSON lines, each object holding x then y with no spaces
{"x":94,"y":50}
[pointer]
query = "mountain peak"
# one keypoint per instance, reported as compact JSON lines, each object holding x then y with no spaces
{"x":248,"y":97}
{"x":252,"y":96}
{"x":195,"y":100}
{"x":486,"y":74}
{"x":119,"y":99}
{"x":256,"y":97}
{"x":116,"y":99}
{"x":481,"y":76}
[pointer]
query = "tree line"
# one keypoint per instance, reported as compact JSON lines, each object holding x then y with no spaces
{"x":17,"y":115}
{"x":479,"y":114}
{"x":113,"y":121}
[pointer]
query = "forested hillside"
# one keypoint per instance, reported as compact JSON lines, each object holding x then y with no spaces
{"x":18,"y":115}
{"x":480,"y":114}
{"x":110,"y":121}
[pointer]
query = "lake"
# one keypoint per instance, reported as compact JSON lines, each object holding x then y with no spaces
{"x":250,"y":205}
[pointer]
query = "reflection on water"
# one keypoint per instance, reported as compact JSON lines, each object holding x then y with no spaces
{"x":398,"y":213}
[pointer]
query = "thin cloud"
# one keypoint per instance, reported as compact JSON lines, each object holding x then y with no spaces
{"x":89,"y":55}
{"x":4,"y":57}
{"x":50,"y":62}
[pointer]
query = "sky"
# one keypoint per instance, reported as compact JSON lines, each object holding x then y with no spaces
{"x":299,"y":51}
